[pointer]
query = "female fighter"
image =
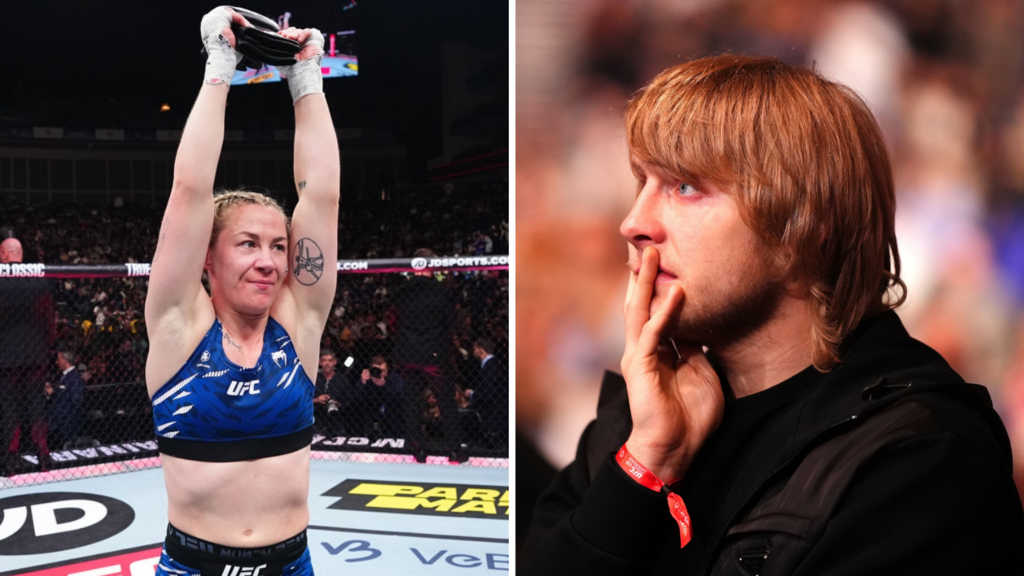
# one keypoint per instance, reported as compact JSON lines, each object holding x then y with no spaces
{"x":231,"y":372}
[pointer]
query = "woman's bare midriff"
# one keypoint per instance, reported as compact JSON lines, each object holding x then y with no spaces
{"x":242,"y":504}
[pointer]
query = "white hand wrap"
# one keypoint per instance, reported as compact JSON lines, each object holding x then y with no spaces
{"x":304,"y":77}
{"x":221,"y":57}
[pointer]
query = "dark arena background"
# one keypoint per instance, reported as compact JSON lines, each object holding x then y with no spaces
{"x":410,"y":470}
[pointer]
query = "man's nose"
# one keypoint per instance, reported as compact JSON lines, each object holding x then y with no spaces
{"x":643,"y":225}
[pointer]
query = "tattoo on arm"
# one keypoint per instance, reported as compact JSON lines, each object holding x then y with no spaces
{"x":309,"y":262}
{"x":302,"y":185}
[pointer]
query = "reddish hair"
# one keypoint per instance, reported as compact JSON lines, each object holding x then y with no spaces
{"x":808,"y":165}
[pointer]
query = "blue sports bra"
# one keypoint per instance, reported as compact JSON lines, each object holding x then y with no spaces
{"x":216,"y":411}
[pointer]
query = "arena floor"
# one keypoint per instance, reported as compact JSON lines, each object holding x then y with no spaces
{"x":366,"y":518}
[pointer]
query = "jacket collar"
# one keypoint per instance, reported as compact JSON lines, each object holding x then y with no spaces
{"x":881,"y":364}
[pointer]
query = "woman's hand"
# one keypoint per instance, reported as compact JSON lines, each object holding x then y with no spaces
{"x":219,"y":20}
{"x":305,"y":76}
{"x":303,"y":37}
{"x":219,"y":41}
{"x":675,"y":399}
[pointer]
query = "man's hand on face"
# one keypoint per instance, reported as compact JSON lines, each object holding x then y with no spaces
{"x":676,"y":400}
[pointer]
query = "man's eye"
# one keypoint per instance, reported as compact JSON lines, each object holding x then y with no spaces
{"x":686,"y":190}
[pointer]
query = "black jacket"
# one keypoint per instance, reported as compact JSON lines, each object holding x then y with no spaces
{"x":65,"y":412}
{"x":490,"y":391}
{"x":338,"y":387}
{"x":490,"y":397}
{"x":888,"y":464}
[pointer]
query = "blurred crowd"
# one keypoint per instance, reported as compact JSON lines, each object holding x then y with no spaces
{"x":446,"y":223}
{"x":945,"y":79}
{"x":473,"y":220}
{"x":100,"y":321}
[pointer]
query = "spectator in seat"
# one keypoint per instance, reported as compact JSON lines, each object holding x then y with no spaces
{"x":430,"y":414}
{"x":125,"y":364}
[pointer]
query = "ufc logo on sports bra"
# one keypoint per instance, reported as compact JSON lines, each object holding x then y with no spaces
{"x":230,"y":570}
{"x":237,"y":389}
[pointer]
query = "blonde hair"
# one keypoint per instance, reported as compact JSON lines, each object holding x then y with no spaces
{"x":223,"y":202}
{"x":808,"y":164}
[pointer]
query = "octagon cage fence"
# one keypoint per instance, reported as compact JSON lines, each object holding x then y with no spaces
{"x":413,"y":367}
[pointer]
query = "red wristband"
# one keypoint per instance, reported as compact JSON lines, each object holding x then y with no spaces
{"x":647,"y":479}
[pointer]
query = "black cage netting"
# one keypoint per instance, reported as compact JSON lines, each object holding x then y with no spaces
{"x":413,"y":367}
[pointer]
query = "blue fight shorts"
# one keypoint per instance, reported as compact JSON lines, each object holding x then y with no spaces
{"x":186,"y":555}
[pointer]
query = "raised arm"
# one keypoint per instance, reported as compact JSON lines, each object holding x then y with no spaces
{"x":174,"y":284}
{"x":315,"y":220}
{"x":314,"y":234}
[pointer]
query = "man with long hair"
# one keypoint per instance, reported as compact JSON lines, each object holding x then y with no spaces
{"x":773,"y":415}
